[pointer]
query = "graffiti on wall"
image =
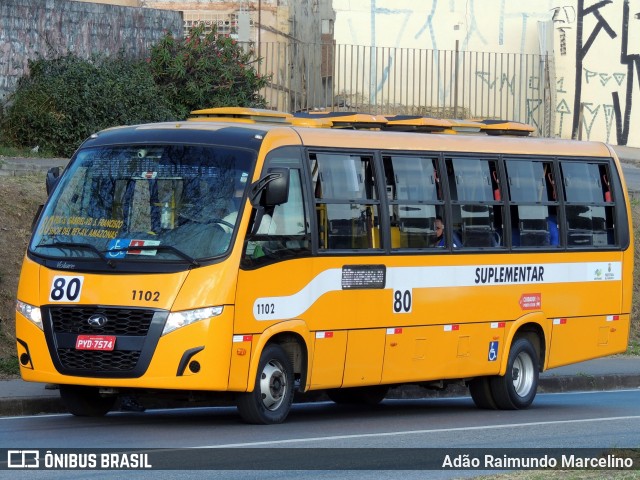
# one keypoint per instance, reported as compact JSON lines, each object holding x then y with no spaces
{"x":564,"y":18}
{"x":502,"y":81}
{"x":600,"y":21}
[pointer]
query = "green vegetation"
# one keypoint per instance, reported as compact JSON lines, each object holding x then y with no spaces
{"x":9,"y":366}
{"x":634,"y":347}
{"x":64,"y":100}
{"x":206,"y":70}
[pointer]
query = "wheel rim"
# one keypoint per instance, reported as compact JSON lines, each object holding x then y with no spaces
{"x":273,"y":385}
{"x":523,"y":374}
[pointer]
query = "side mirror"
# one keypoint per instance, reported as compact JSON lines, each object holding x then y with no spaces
{"x":277,"y":191}
{"x":272,"y":189}
{"x":53,"y":175}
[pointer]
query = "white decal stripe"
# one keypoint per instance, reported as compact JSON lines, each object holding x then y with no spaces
{"x":407,"y":278}
{"x":294,"y":305}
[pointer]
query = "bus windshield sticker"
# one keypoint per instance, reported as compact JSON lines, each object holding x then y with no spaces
{"x":143,"y":243}
{"x":363,"y":277}
{"x":121,"y":247}
{"x":80,"y":226}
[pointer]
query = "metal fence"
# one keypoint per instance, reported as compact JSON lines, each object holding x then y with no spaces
{"x":438,"y":83}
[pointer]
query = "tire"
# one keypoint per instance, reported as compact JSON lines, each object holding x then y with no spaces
{"x":342,"y":396}
{"x":86,"y":401}
{"x":480,"y":390}
{"x":272,"y":395}
{"x":358,"y":395}
{"x":517,"y":388}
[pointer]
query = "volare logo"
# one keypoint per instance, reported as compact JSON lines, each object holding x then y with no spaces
{"x":23,"y":459}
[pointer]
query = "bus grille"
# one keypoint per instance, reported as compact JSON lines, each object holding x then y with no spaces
{"x":137,"y":331}
{"x":115,"y":361}
{"x":121,"y":321}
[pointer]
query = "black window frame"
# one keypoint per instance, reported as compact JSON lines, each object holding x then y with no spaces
{"x":622,"y":234}
{"x":495,"y":234}
{"x":516,"y":245}
{"x":379,"y":222}
{"x":438,"y":203}
{"x":292,"y":158}
{"x":617,"y":205}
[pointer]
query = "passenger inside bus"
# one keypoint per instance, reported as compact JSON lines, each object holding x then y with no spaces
{"x":267,"y":225}
{"x":441,"y":241}
{"x":554,"y":234}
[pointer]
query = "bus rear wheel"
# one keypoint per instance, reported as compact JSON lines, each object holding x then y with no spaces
{"x":86,"y":401}
{"x":272,"y":395}
{"x":517,"y":388}
{"x":480,"y":389}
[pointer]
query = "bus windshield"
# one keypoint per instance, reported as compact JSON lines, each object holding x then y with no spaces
{"x":123,"y":204}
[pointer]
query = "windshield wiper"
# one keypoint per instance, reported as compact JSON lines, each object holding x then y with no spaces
{"x":81,"y":246}
{"x":170,"y":248}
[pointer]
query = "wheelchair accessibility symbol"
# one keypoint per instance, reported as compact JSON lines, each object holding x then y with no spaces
{"x":493,"y":351}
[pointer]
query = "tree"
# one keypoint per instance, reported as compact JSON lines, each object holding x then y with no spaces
{"x":206,"y":70}
{"x":64,"y":100}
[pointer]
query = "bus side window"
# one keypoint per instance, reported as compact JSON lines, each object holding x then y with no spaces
{"x":347,"y":208}
{"x":532,"y":193}
{"x":283,"y":231}
{"x":606,"y":185}
{"x":476,"y":200}
{"x":415,"y":200}
{"x":590,"y":210}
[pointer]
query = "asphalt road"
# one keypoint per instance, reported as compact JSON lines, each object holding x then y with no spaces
{"x":568,"y":421}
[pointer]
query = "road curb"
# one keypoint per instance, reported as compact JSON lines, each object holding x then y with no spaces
{"x":13,"y":407}
{"x":585,"y":382}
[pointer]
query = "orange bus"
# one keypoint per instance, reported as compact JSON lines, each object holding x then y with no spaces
{"x":247,"y":255}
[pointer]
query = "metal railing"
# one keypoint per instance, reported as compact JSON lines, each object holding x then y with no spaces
{"x":438,"y":83}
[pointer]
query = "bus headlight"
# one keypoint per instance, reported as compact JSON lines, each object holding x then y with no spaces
{"x":187,"y":317}
{"x":30,"y":312}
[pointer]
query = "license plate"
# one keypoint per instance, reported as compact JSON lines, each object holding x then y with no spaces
{"x":104,"y":343}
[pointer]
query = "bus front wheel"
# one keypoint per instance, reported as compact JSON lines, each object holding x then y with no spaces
{"x":85,"y":401}
{"x":272,"y":394}
{"x":517,"y":388}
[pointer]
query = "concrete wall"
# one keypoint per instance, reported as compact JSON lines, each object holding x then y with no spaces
{"x":595,"y":47}
{"x":482,"y":25}
{"x":50,"y":28}
{"x":598,"y":70}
